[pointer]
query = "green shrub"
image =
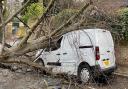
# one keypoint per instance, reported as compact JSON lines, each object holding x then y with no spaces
{"x":33,"y":11}
{"x":123,"y":21}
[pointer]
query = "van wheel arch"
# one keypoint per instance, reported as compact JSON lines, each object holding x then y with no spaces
{"x":83,"y":63}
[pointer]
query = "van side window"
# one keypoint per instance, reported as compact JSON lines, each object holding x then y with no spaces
{"x":57,"y":44}
{"x":67,"y":42}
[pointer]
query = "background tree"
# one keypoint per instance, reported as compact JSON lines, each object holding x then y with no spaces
{"x":123,"y":21}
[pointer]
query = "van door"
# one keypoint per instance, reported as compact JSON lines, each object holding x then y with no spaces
{"x":106,"y":49}
{"x":86,"y":48}
{"x":52,"y":57}
{"x":68,"y":57}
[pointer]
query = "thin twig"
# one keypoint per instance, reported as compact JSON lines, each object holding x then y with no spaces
{"x":71,"y":19}
{"x":20,"y":10}
{"x":23,"y":22}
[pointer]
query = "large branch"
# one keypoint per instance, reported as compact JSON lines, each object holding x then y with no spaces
{"x":38,"y":44}
{"x":44,"y":38}
{"x":20,"y":10}
{"x":24,"y":40}
{"x":29,"y":63}
{"x":43,"y":41}
{"x":71,"y":19}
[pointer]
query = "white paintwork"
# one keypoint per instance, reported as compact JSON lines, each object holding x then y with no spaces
{"x":70,"y":44}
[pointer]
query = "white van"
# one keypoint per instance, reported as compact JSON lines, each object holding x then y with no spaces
{"x":84,"y":53}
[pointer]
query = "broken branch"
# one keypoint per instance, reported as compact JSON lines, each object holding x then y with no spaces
{"x":29,"y":63}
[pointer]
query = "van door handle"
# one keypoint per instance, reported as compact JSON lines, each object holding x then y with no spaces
{"x":58,"y":54}
{"x":64,"y":53}
{"x":108,"y":51}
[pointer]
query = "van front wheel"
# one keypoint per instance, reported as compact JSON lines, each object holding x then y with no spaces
{"x":84,"y":74}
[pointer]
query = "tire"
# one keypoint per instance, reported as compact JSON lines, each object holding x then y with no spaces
{"x":84,"y":74}
{"x":109,"y":74}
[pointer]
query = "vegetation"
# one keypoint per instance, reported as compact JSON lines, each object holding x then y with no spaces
{"x":123,"y":22}
{"x":63,"y":16}
{"x":33,"y":12}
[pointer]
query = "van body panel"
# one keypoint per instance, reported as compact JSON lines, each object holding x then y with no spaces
{"x":69,"y":51}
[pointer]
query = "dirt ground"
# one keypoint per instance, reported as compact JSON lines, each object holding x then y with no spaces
{"x":13,"y":80}
{"x":33,"y":80}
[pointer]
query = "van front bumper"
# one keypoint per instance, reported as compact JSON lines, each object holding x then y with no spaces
{"x":96,"y":70}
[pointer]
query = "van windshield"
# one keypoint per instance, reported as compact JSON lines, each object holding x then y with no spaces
{"x":104,"y":39}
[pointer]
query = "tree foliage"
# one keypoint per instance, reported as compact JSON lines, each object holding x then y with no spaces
{"x":34,"y":11}
{"x":123,"y":22}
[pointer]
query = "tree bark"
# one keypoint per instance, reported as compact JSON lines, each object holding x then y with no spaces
{"x":2,"y":28}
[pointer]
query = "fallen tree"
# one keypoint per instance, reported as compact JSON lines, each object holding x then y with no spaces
{"x":26,"y":46}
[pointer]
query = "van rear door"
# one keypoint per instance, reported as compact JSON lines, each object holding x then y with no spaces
{"x":106,"y":49}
